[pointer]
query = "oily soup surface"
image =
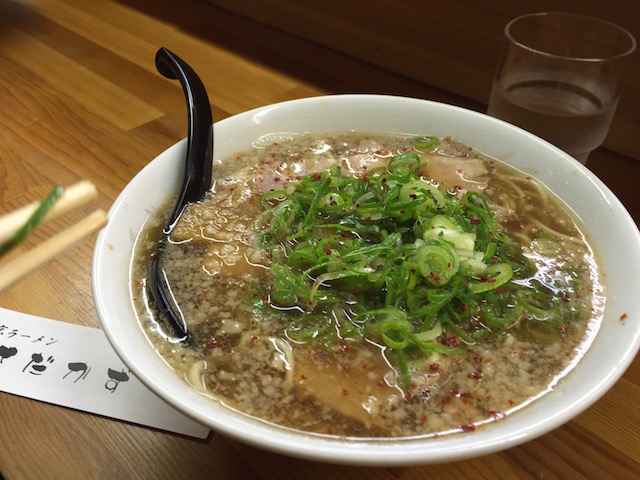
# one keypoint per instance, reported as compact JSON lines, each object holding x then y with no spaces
{"x":316,"y":362}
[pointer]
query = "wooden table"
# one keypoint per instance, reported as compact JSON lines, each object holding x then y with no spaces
{"x":80,"y":99}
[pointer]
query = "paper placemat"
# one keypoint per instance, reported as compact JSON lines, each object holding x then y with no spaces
{"x":76,"y":367}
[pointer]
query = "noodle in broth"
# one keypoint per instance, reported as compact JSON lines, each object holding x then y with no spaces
{"x":297,"y":313}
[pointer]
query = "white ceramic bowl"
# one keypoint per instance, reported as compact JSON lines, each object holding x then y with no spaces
{"x":610,"y":228}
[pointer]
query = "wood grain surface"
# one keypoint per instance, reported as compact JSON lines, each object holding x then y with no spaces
{"x":80,"y":99}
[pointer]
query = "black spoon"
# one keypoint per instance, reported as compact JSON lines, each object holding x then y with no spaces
{"x":196,"y":181}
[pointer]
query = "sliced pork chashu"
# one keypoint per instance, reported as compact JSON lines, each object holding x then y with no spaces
{"x":363,"y":386}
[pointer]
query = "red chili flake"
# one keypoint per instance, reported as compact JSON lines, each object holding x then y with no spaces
{"x":446,"y":399}
{"x":423,"y":419}
{"x":409,"y":395}
{"x":212,"y":342}
{"x":497,"y":415}
{"x":499,"y":290}
{"x":344,"y":347}
{"x":624,"y":317}
{"x":346,"y":368}
{"x":565,"y":297}
{"x":511,"y":403}
{"x":345,"y":392}
{"x":457,"y":392}
{"x":413,"y":195}
{"x":303,"y":377}
{"x":367,"y":219}
{"x":451,"y":341}
{"x":402,"y":212}
{"x":468,"y":428}
{"x":477,"y":375}
{"x":434,"y":367}
{"x":381,"y":382}
{"x":365,"y":179}
{"x":316,"y":176}
{"x":477,"y":358}
{"x":563,"y":329}
{"x":254,"y":338}
{"x":474,"y":220}
{"x":464,"y":307}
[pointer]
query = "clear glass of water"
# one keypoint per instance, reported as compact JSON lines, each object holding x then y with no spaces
{"x":559,"y":76}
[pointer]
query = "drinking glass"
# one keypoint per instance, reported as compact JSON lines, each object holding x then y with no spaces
{"x":559,"y":76}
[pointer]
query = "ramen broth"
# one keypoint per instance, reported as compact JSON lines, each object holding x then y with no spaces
{"x":322,"y":374}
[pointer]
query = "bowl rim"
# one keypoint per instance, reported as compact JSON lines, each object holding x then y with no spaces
{"x":354,"y":452}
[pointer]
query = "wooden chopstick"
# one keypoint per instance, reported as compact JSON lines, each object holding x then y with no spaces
{"x":18,"y":268}
{"x":73,"y":197}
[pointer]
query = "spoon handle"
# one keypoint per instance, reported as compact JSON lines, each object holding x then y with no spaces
{"x":197,"y":173}
{"x":195,"y":183}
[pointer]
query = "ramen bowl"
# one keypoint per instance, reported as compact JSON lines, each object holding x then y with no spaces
{"x":611,"y":351}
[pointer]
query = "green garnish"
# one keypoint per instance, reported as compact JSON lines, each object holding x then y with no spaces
{"x":408,"y":264}
{"x":33,"y":221}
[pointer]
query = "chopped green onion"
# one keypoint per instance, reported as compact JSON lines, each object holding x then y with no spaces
{"x":415,"y":262}
{"x":442,"y":227}
{"x":429,"y":335}
{"x":495,"y":276}
{"x":437,"y":261}
{"x":425,"y":142}
{"x":405,"y":377}
{"x":538,"y":304}
{"x":409,"y":161}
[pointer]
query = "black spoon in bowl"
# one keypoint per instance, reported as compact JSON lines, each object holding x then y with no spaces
{"x":195,"y":183}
